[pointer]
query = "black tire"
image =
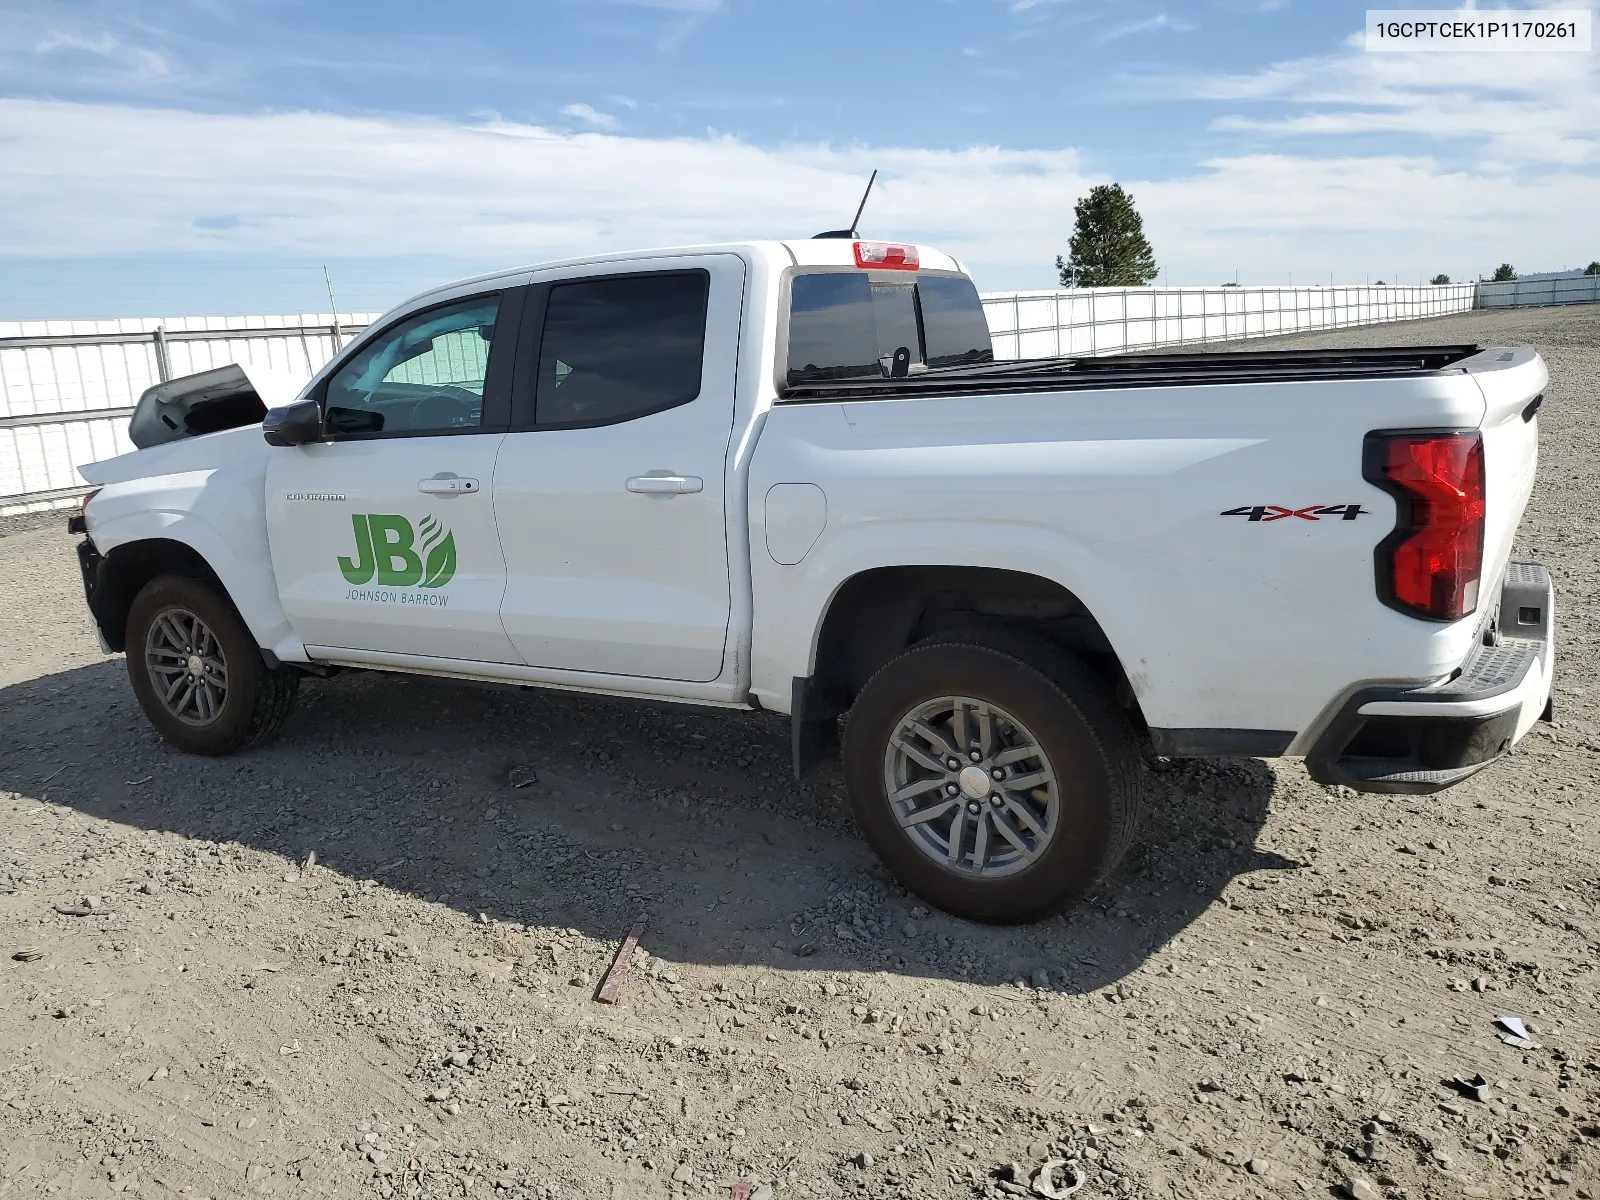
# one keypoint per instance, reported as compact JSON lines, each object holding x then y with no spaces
{"x":1090,"y":749}
{"x":255,"y":701}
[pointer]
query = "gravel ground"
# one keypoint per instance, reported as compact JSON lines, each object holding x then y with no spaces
{"x":1265,"y":1001}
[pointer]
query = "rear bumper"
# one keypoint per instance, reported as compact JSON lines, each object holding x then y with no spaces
{"x":1405,"y":738}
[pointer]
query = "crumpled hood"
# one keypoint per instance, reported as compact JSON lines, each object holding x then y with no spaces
{"x":235,"y":448}
{"x":208,"y":401}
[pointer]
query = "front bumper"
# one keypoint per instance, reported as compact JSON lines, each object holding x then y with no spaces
{"x":89,"y":565}
{"x":1411,"y":739}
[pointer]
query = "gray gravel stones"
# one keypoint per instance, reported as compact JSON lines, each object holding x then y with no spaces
{"x":1307,"y":993}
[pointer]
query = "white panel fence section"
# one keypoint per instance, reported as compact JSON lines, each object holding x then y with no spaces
{"x":67,"y":388}
{"x":1518,"y":293}
{"x":1091,"y":321}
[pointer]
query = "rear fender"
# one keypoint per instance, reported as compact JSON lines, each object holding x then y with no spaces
{"x":796,"y":605}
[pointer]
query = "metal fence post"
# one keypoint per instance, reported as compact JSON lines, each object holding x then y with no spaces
{"x":163,"y":363}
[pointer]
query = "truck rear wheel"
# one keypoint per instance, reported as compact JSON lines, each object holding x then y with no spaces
{"x":993,"y":774}
{"x":197,"y":671}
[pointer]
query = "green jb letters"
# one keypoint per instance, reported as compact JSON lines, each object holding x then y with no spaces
{"x":386,"y":548}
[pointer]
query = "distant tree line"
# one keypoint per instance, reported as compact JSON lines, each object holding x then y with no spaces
{"x":1108,"y":247}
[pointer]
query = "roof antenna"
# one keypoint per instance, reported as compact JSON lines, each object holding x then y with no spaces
{"x":856,"y":220}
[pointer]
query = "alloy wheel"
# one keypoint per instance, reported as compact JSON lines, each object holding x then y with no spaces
{"x":972,"y":787}
{"x":187,"y":666}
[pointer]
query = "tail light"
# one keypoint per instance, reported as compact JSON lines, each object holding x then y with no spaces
{"x":886,"y":256}
{"x":1432,"y":564}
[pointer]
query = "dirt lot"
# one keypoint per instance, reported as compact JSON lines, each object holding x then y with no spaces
{"x":1264,"y":1001}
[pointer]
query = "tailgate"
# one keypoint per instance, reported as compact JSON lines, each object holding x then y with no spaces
{"x":1513,"y":382}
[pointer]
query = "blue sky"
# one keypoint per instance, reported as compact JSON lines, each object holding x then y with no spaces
{"x":203,"y":156}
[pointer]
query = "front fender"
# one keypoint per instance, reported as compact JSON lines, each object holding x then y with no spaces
{"x":123,"y":516}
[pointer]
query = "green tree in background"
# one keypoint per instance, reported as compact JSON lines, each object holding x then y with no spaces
{"x":1108,"y":247}
{"x":1592,"y":269}
{"x":1437,"y":279}
{"x":1504,"y":273}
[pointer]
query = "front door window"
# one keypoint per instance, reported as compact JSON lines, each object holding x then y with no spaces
{"x":423,"y":376}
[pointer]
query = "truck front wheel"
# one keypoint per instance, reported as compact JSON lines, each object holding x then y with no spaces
{"x":197,"y":671}
{"x":993,"y":774}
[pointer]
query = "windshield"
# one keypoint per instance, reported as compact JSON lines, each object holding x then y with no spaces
{"x":852,"y":324}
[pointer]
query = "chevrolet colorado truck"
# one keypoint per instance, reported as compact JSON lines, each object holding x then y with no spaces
{"x":791,"y":476}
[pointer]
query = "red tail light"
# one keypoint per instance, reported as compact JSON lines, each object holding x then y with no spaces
{"x":886,"y":256}
{"x":1432,"y":564}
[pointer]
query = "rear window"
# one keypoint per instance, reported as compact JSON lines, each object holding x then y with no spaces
{"x":850,"y":324}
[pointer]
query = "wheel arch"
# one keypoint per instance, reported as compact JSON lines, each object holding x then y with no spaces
{"x":876,"y":613}
{"x":126,"y":569}
{"x":133,"y":551}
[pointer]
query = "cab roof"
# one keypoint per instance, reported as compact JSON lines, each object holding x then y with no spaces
{"x":803,"y":252}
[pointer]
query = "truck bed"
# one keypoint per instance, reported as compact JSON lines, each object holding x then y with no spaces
{"x":1144,"y":370}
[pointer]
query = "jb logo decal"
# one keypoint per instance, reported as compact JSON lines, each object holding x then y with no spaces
{"x":387,"y":551}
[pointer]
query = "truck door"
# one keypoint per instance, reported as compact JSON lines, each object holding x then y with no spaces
{"x":383,"y":536}
{"x":610,"y":488}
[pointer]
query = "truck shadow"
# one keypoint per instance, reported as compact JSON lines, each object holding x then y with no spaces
{"x":685,"y":814}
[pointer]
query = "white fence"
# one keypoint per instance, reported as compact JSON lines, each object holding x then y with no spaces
{"x":68,"y":387}
{"x":1516,"y":293}
{"x":1090,"y":321}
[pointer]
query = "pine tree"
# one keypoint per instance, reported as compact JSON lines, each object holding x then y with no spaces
{"x":1504,"y":273}
{"x":1438,"y":279}
{"x":1592,"y":269}
{"x":1108,"y":243}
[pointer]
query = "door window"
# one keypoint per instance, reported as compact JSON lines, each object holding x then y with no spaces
{"x":619,"y":348}
{"x":425,"y":375}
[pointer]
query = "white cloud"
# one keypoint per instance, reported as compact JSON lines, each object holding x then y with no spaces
{"x":1499,"y":108}
{"x":135,"y":61}
{"x":1153,"y":24}
{"x":592,"y":117}
{"x":89,"y":180}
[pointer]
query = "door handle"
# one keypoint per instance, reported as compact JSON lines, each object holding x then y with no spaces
{"x":447,"y":485}
{"x":665,"y":485}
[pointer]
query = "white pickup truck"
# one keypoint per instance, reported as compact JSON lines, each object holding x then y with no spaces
{"x":791,"y":476}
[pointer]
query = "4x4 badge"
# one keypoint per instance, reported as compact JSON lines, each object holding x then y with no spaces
{"x":1311,"y":512}
{"x":386,"y":548}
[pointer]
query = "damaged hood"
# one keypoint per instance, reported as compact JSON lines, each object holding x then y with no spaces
{"x":232,"y":450}
{"x":210,"y":401}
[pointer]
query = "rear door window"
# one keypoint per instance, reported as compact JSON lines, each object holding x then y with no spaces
{"x":850,"y":324}
{"x":618,"y":348}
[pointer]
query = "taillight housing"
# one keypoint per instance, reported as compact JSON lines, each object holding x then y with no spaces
{"x":1432,"y":564}
{"x":887,"y":256}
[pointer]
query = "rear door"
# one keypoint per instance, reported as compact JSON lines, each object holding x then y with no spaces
{"x":609,"y":490}
{"x":383,"y":536}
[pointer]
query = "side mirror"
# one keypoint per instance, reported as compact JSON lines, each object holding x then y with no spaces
{"x":293,"y":425}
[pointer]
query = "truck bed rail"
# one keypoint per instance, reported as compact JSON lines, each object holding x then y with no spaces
{"x":1142,"y":370}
